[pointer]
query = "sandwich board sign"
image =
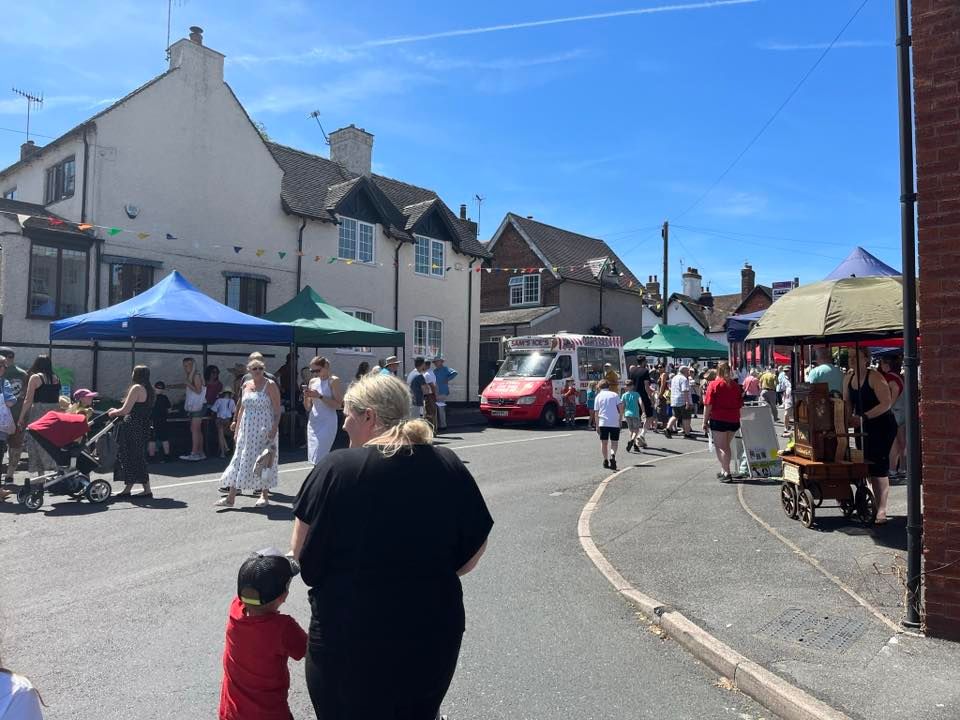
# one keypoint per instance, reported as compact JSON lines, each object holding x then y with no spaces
{"x":760,"y":449}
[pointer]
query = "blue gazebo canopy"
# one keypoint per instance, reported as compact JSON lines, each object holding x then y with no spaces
{"x":172,"y":311}
{"x":860,"y":263}
{"x":738,"y":326}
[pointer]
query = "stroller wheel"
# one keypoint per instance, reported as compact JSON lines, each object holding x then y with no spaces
{"x":98,"y":491}
{"x":30,"y":499}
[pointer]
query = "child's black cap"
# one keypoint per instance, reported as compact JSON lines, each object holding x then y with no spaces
{"x":265,"y":576}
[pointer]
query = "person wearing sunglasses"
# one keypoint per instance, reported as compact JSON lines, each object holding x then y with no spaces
{"x":322,"y":397}
{"x":254,"y":465}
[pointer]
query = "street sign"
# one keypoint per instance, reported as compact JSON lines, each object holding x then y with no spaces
{"x":761,"y":452}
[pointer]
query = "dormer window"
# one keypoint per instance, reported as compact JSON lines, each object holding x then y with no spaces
{"x":428,"y":256}
{"x":356,"y":240}
{"x":525,"y":290}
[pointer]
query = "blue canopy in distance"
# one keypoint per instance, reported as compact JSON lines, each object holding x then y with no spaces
{"x":172,"y":311}
{"x":860,"y":263}
{"x":739,"y":325}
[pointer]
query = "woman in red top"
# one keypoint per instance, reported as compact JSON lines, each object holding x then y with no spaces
{"x":721,"y":413}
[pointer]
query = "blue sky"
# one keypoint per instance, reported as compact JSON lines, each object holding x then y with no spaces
{"x":601,"y":125}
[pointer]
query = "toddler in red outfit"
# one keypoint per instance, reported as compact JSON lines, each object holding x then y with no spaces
{"x":259,"y":641}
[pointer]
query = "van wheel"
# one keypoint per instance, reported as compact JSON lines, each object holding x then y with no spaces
{"x":549,"y":417}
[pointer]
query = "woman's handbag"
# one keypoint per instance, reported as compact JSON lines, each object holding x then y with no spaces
{"x":7,"y":424}
{"x":193,"y":401}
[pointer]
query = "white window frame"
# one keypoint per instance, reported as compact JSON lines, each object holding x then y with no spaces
{"x":521,"y":283}
{"x":357,"y":228}
{"x":359,"y":350}
{"x":436,"y":257}
{"x":426,"y":349}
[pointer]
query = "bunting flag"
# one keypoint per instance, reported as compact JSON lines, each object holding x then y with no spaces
{"x":171,"y":237}
{"x":317,"y":259}
{"x":299,"y":253}
{"x":282,"y":254}
{"x":84,"y":226}
{"x":143,"y":235}
{"x":260,"y":252}
{"x":55,"y":221}
{"x":237,"y":249}
{"x":330,"y":261}
{"x":114,"y":231}
{"x":22,"y":218}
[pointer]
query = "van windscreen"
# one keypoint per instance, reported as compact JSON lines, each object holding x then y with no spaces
{"x":532,"y":364}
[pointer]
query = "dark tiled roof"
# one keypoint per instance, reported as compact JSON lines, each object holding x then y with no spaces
{"x":39,"y":218}
{"x":723,"y":307}
{"x":518,"y":316}
{"x":313,"y":185}
{"x":564,"y":249}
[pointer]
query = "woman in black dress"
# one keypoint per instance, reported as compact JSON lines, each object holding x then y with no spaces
{"x":867,"y":397}
{"x":383,"y":532}
{"x":133,"y":434}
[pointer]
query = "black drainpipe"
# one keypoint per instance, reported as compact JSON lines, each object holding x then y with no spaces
{"x":396,"y":291}
{"x":303,"y":224}
{"x":469,"y":320}
{"x":96,"y":253}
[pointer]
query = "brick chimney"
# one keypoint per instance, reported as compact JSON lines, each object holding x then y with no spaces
{"x":692,"y":283}
{"x":352,"y":147}
{"x":748,"y":280}
{"x":463,"y":211}
{"x":202,"y":64}
{"x":28,"y":149}
{"x":706,"y":298}
{"x":652,"y":290}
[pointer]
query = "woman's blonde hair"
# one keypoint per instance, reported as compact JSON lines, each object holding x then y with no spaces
{"x":390,"y":399}
{"x":723,"y":370}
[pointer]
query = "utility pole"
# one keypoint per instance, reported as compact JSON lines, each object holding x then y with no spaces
{"x":665,"y":234}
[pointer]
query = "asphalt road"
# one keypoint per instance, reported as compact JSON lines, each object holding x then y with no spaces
{"x":118,"y":611}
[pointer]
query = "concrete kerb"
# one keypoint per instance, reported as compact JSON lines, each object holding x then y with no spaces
{"x":770,"y":690}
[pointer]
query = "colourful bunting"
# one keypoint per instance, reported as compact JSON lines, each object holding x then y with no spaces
{"x":299,"y":253}
{"x":331,"y":261}
{"x":143,"y":235}
{"x":316,"y":259}
{"x":260,"y":252}
{"x":114,"y":231}
{"x":55,"y":221}
{"x":237,"y":249}
{"x":84,"y":226}
{"x":282,"y":254}
{"x":171,"y":237}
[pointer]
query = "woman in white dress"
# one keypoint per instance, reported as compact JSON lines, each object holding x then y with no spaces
{"x":321,"y":398}
{"x":255,"y":430}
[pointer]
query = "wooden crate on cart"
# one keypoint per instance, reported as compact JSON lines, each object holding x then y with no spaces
{"x":807,"y":483}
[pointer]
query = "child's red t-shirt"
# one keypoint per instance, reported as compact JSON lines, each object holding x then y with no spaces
{"x":255,"y":674}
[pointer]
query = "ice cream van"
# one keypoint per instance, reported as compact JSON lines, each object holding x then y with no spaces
{"x":529,"y":383}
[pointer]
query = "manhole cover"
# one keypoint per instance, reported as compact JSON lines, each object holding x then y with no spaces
{"x":819,"y":631}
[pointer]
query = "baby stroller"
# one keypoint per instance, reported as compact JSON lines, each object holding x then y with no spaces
{"x":61,"y":435}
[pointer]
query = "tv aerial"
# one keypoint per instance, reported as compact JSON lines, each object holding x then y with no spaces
{"x":316,"y":116}
{"x":33,"y":101}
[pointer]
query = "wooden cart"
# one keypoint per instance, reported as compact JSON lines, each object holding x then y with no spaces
{"x":807,"y":483}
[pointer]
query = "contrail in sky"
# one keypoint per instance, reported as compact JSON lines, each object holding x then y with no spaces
{"x":403,"y":40}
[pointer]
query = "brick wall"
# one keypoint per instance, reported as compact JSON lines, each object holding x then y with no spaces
{"x":936,"y":57}
{"x":512,"y":251}
{"x":757,"y":301}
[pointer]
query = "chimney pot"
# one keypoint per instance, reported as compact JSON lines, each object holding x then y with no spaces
{"x":463,"y":211}
{"x":747,"y":281}
{"x":196,"y":34}
{"x":28,"y":149}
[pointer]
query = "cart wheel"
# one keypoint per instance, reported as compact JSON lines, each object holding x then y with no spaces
{"x":29,"y":499}
{"x":98,"y":491}
{"x":788,"y":498}
{"x":806,"y":508}
{"x":847,"y":507}
{"x":866,"y":507}
{"x":817,"y":492}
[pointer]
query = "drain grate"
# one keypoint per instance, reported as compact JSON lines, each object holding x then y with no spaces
{"x":815,"y":630}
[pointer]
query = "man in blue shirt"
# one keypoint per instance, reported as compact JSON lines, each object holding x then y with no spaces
{"x":444,"y":375}
{"x":825,"y":371}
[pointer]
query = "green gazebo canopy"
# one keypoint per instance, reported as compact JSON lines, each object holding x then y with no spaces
{"x":675,"y":341}
{"x":318,"y":323}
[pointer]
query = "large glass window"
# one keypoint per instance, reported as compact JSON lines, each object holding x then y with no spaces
{"x":247,"y":294}
{"x":429,"y":256}
{"x":60,"y":180}
{"x":591,"y":362}
{"x":58,"y":282}
{"x":427,"y":337}
{"x":356,"y":240}
{"x":366,"y":316}
{"x":525,"y":290}
{"x":127,"y":280}
{"x":532,"y":364}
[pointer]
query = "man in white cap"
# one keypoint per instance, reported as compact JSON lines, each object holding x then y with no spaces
{"x":444,"y":375}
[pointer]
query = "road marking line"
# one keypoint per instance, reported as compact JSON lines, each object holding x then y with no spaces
{"x":300,"y":468}
{"x":820,"y":568}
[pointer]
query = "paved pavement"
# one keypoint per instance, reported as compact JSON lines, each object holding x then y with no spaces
{"x":118,"y":611}
{"x":752,"y":581}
